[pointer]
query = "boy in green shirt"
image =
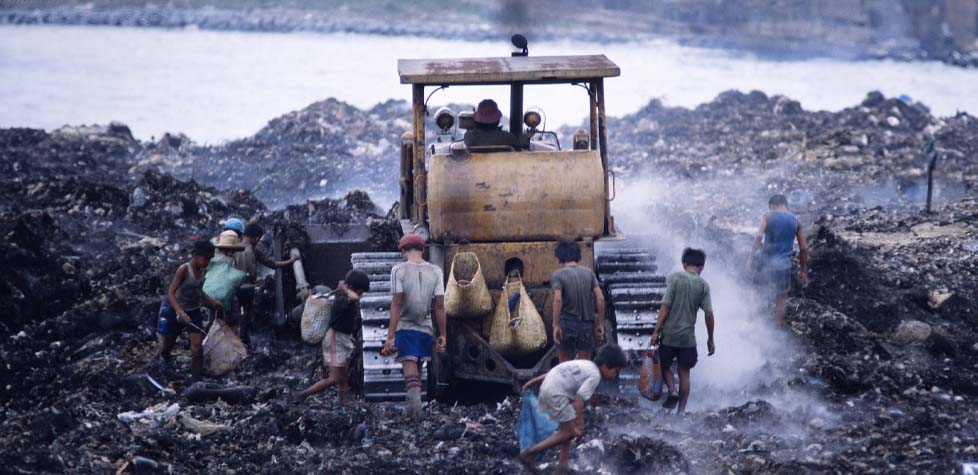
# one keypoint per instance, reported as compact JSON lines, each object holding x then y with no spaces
{"x":686,"y":293}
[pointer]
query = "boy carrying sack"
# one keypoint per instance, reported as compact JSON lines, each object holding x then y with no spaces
{"x":338,"y":344}
{"x":563,"y":392}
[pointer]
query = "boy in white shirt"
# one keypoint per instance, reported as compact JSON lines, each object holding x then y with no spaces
{"x":565,"y":390}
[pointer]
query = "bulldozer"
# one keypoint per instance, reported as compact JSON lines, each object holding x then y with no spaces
{"x":510,"y":208}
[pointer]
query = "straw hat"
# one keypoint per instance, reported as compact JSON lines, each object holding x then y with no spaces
{"x":228,"y":240}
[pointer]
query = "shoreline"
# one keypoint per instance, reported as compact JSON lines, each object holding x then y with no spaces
{"x":609,"y":27}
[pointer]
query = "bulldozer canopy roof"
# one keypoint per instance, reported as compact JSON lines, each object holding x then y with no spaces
{"x":505,"y":70}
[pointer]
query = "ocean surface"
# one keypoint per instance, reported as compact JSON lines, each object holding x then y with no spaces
{"x":217,"y":86}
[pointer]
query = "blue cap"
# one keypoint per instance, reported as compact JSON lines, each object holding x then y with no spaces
{"x":234,"y":224}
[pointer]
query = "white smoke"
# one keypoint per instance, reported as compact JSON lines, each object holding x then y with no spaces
{"x":753,"y":357}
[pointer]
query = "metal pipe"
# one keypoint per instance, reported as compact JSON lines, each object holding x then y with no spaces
{"x":609,"y":229}
{"x":593,"y":115}
{"x":516,"y":109}
{"x":301,"y":285}
{"x":407,"y":176}
{"x":932,"y":153}
{"x":279,"y":278}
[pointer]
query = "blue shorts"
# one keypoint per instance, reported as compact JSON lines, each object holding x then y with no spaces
{"x":169,"y":325}
{"x":412,"y":345}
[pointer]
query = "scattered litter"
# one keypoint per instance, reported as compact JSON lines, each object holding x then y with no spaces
{"x":204,"y":428}
{"x":166,"y":391}
{"x":153,"y":415}
{"x":936,"y":298}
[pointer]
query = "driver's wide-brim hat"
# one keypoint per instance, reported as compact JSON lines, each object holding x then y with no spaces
{"x":487,"y":112}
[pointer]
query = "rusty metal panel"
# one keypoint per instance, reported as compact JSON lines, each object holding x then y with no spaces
{"x":503,"y":70}
{"x":516,"y":196}
{"x":538,"y":260}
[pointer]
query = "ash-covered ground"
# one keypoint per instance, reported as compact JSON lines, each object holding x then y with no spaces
{"x":875,"y":372}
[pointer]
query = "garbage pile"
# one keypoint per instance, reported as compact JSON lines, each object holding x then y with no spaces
{"x":94,"y":226}
{"x":84,"y":236}
{"x":873,"y":154}
{"x":325,"y":149}
{"x":890,"y":319}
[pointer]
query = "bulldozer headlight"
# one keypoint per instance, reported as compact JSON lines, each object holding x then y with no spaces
{"x":466,"y":120}
{"x":444,"y":119}
{"x":532,"y":119}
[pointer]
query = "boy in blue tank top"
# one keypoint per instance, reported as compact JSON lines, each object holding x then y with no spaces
{"x":775,"y":240}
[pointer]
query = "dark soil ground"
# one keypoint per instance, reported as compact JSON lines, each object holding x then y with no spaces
{"x":880,"y":378}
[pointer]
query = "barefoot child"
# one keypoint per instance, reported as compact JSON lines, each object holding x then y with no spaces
{"x":565,"y":390}
{"x":180,"y":310}
{"x":338,"y":345}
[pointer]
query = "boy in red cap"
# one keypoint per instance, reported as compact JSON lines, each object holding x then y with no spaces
{"x":414,"y":285}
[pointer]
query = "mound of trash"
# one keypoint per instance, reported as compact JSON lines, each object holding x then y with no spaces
{"x":873,"y":154}
{"x":95,"y":224}
{"x":323,"y":150}
{"x":890,"y":318}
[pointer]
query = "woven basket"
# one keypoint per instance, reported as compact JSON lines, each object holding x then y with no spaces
{"x":467,"y":295}
{"x":521,"y":331}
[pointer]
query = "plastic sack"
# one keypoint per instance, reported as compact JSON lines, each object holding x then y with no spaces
{"x":221,"y":281}
{"x":467,"y":294}
{"x":223,"y":350}
{"x":315,"y":318}
{"x":516,"y":328}
{"x":650,"y":382}
{"x":534,"y":425}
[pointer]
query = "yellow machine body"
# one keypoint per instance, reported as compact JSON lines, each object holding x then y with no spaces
{"x":516,"y":196}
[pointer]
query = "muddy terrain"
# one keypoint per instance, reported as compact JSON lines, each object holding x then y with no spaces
{"x":877,"y":373}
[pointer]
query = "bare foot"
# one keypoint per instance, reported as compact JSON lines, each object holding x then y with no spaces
{"x":527,"y":460}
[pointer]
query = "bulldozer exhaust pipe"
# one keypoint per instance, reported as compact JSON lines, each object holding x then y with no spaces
{"x":301,"y":285}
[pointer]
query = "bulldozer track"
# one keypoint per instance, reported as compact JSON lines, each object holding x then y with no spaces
{"x":634,"y":291}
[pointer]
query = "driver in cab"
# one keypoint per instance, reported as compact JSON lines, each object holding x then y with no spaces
{"x":487,"y":131}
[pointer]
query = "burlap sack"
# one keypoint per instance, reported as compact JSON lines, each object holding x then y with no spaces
{"x":467,"y":295}
{"x":315,"y":318}
{"x":518,"y":333}
{"x":223,"y":350}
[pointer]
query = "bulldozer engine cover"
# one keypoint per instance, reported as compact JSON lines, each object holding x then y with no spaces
{"x":466,"y":294}
{"x":516,"y":196}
